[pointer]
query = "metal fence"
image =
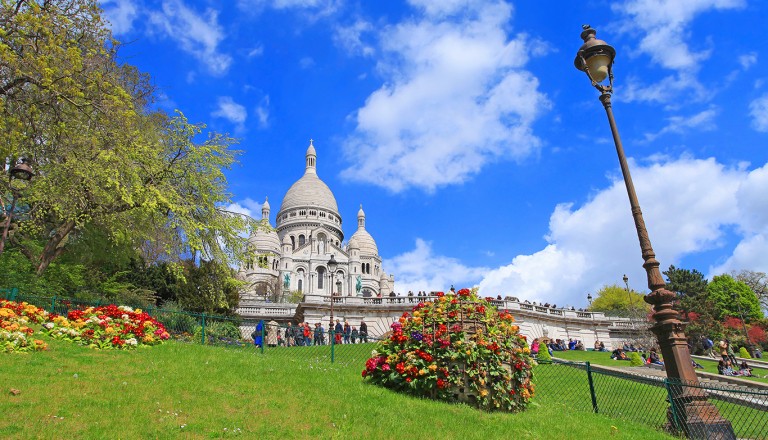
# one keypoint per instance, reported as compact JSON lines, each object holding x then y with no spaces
{"x":646,"y":399}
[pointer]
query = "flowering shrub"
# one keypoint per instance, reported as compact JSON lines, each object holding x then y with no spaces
{"x":116,"y":327}
{"x":456,"y":348}
{"x":15,"y":333}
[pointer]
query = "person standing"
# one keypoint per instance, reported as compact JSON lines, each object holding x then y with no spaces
{"x":258,"y":334}
{"x":318,"y":334}
{"x":338,"y":331}
{"x":354,"y":335}
{"x":363,"y":332}
{"x":347,"y":332}
{"x":289,"y":342}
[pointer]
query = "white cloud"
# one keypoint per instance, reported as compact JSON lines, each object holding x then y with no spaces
{"x":230,"y":110}
{"x":455,"y":98}
{"x":262,"y":112}
{"x":256,"y":51}
{"x":120,"y":14}
{"x":350,"y":38}
{"x":306,"y":63}
{"x":247,"y":207}
{"x":758,"y":110}
{"x":688,"y":205}
{"x":420,"y":269}
{"x":664,"y":24}
{"x":199,"y":35}
{"x":704,"y":121}
{"x":747,"y":60}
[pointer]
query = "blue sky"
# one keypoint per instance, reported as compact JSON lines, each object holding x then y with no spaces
{"x":480,"y":154}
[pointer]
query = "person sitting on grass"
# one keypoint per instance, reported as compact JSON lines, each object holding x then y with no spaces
{"x":653,"y":358}
{"x":724,"y":367}
{"x":745,"y":369}
{"x":619,"y":355}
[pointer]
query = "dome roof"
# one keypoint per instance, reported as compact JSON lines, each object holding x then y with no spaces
{"x":310,"y":191}
{"x":265,"y":239}
{"x":363,"y":241}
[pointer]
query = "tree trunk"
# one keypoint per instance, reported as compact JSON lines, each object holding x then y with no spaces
{"x":52,"y":249}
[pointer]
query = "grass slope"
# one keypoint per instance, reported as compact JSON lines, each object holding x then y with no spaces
{"x":190,"y":391}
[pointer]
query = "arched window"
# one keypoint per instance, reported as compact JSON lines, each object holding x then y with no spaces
{"x":293,"y":242}
{"x":320,"y":277}
{"x":302,"y":240}
{"x":300,"y":276}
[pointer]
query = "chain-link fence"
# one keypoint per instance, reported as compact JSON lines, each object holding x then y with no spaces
{"x":646,"y":399}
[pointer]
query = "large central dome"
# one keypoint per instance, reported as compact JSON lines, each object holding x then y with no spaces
{"x":309,"y":191}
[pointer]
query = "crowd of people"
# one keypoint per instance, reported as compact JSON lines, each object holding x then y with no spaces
{"x":303,"y":334}
{"x":726,"y":368}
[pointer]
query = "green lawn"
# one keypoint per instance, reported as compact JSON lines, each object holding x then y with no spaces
{"x":180,"y":390}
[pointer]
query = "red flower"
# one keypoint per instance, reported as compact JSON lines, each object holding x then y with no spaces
{"x":408,"y":379}
{"x":440,"y":294}
{"x":400,"y":367}
{"x":440,"y":383}
{"x":464,"y":292}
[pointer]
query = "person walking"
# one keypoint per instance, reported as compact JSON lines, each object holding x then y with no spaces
{"x":363,"y":332}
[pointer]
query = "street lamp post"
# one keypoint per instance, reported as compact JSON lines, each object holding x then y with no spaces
{"x":631,"y":303}
{"x":737,"y":298}
{"x":21,"y":171}
{"x":332,"y":264}
{"x":592,"y":315}
{"x":692,"y":412}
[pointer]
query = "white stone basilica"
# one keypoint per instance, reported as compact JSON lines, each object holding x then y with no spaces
{"x":293,"y":256}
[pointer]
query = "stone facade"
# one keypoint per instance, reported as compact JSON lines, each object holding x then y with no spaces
{"x":293,"y":255}
{"x":380,"y":313}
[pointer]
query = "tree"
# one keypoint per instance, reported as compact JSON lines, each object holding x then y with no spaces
{"x":690,"y":286}
{"x":757,"y":281}
{"x":614,"y":299}
{"x":102,"y":158}
{"x":733,"y":298}
{"x":209,"y":287}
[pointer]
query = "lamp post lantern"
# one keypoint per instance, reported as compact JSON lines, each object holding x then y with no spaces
{"x":691,"y":411}
{"x":20,"y":171}
{"x":589,"y":298}
{"x":332,"y":264}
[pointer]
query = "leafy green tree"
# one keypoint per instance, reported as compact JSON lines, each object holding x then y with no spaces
{"x":103,"y":159}
{"x":616,"y":300}
{"x":757,"y":281}
{"x":733,"y":298}
{"x":690,"y":286}
{"x":210,"y":287}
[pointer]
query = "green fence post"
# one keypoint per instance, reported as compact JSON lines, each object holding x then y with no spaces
{"x":14,"y":292}
{"x":591,"y":387}
{"x":202,"y":340}
{"x":333,"y":344}
{"x":263,"y":336}
{"x":673,"y":410}
{"x":53,"y":304}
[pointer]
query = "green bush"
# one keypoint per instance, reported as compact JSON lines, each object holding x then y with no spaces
{"x":544,"y":354}
{"x":175,"y":320}
{"x":743,"y":353}
{"x":635,"y":360}
{"x":219,"y":330}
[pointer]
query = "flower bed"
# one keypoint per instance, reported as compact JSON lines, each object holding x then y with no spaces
{"x":15,"y":332}
{"x":112,"y":327}
{"x":456,"y":348}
